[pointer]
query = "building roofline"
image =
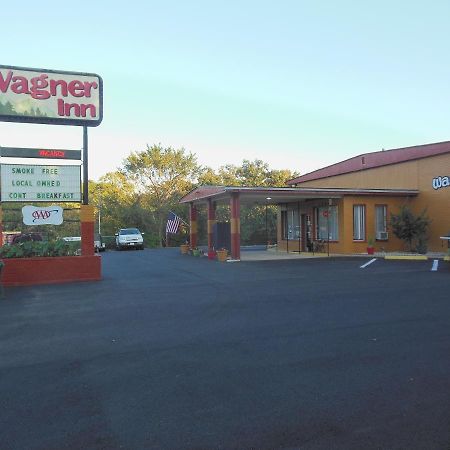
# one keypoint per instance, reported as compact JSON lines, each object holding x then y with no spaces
{"x":203,"y":193}
{"x":375,"y":159}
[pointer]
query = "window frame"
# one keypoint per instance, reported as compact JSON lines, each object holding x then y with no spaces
{"x":288,"y":217}
{"x":333,"y":231}
{"x":362,"y":226}
{"x":385,"y":219}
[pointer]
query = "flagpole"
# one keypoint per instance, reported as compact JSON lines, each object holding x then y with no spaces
{"x":178,"y":220}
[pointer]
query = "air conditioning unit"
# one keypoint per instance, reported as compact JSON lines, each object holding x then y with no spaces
{"x":382,"y":236}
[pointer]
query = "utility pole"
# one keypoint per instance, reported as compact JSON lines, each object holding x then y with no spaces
{"x":99,"y":221}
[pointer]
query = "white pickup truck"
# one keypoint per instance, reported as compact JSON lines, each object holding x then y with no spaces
{"x":99,"y":245}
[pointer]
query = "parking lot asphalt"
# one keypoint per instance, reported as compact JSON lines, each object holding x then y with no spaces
{"x":174,"y":352}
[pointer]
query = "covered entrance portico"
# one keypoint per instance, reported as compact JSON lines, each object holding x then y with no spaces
{"x":305,"y":215}
{"x":211,"y":196}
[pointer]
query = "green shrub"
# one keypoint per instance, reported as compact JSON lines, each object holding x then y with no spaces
{"x":32,"y":249}
{"x":151,"y":240}
{"x":411,"y":229}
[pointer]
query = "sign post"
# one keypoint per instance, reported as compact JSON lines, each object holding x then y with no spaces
{"x":87,"y":214}
{"x":85,"y":167}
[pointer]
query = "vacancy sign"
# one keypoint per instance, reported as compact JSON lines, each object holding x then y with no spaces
{"x":44,"y":215}
{"x":38,"y":183}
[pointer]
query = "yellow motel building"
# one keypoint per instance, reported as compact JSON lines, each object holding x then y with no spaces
{"x":347,"y":203}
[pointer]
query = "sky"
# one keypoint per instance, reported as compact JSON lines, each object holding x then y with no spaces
{"x":297,"y":84}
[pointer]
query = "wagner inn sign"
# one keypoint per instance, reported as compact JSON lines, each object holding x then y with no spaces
{"x":41,"y":96}
{"x":44,"y":96}
{"x":52,"y":97}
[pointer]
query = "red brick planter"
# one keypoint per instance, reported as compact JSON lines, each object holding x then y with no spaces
{"x":50,"y":270}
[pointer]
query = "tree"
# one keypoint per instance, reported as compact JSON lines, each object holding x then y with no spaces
{"x":410,"y":228}
{"x":115,"y":196}
{"x":161,"y":176}
{"x":278,"y":178}
{"x":151,"y":182}
{"x":7,"y":108}
{"x":209,"y":177}
{"x":250,"y":173}
{"x":255,"y":229}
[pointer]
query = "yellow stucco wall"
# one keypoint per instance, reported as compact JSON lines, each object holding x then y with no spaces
{"x":349,"y":245}
{"x":398,"y":176}
{"x":416,"y":174}
{"x":436,"y":202}
{"x":308,"y":208}
{"x":346,"y":244}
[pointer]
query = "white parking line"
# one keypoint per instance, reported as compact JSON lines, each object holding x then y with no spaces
{"x":367,"y":263}
{"x":435,"y":265}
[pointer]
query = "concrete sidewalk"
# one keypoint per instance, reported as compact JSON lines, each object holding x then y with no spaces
{"x":261,"y":254}
{"x":270,"y":255}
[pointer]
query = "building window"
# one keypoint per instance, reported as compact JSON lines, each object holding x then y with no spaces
{"x":381,"y":222}
{"x":327,"y":223}
{"x":290,"y":224}
{"x":359,"y":222}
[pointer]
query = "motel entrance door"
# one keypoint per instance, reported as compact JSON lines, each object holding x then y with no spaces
{"x":306,"y":237}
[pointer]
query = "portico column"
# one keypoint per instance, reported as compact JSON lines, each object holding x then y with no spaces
{"x":235,"y":226}
{"x":211,"y":222}
{"x":1,"y":225}
{"x":193,"y":220}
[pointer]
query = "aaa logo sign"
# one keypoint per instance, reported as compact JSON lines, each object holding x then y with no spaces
{"x":46,"y":215}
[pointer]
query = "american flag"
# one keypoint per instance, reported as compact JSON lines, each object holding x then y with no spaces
{"x":173,"y":223}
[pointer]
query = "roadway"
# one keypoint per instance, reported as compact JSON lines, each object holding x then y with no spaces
{"x":170,"y":351}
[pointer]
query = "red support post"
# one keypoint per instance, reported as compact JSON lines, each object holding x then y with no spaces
{"x":235,"y":226}
{"x":1,"y":226}
{"x":193,"y":220}
{"x":211,"y":222}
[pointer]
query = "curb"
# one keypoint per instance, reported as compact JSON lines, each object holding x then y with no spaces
{"x":408,"y":257}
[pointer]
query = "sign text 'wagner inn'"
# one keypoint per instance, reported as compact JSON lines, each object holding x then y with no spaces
{"x":47,"y":96}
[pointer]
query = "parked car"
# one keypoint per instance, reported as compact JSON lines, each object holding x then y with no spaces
{"x":25,"y":237}
{"x":99,"y":245}
{"x":72,"y":239}
{"x":129,"y":238}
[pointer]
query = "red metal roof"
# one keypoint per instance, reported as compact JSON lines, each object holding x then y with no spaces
{"x":276,"y":195}
{"x":202,"y":192}
{"x":375,"y":159}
